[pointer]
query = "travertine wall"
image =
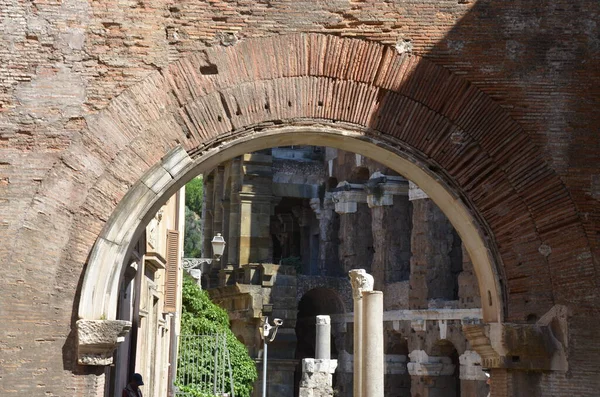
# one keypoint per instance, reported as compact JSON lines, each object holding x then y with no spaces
{"x":63,"y":169}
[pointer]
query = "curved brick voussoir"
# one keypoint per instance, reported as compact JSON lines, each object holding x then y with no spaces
{"x":466,"y":137}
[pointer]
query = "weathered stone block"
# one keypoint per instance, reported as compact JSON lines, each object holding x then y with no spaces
{"x":98,"y":339}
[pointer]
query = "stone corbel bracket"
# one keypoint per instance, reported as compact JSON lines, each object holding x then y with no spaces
{"x":98,"y":339}
{"x":541,"y":346}
{"x":381,"y":189}
{"x":347,"y":196}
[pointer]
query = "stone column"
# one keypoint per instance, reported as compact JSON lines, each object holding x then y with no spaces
{"x":317,"y":373}
{"x":431,"y":273}
{"x":224,"y":260}
{"x":373,"y":371}
{"x":361,"y":282}
{"x":329,"y":225}
{"x":217,"y":200}
{"x":256,"y":200}
{"x":387,"y":196}
{"x":355,"y":236}
{"x":323,"y":339}
{"x":233,"y":238}
{"x":207,"y":209}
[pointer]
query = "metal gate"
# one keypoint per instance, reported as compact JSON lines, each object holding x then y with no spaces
{"x":204,"y":367}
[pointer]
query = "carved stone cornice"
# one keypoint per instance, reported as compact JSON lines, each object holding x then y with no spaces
{"x":98,"y":339}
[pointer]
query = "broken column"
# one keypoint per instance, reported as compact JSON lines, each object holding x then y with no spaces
{"x":317,"y":372}
{"x":361,"y":282}
{"x":323,"y":345}
{"x":373,"y":371}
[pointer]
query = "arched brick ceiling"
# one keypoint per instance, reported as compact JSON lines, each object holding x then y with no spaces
{"x":461,"y":132}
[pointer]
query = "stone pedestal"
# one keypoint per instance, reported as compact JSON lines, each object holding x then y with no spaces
{"x":317,"y":377}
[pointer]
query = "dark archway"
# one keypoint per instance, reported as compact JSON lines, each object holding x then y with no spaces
{"x":318,"y":301}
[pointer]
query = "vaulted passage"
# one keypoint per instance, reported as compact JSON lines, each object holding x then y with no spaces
{"x":518,"y":222}
{"x":456,"y":134}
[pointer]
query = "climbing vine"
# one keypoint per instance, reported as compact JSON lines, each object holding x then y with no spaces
{"x":200,"y":316}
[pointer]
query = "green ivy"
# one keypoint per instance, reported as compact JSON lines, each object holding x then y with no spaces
{"x":200,"y":316}
{"x":294,"y":261}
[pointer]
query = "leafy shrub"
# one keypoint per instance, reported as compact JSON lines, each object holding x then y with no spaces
{"x":200,"y":316}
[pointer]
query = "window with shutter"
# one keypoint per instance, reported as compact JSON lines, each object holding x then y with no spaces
{"x":172,"y":271}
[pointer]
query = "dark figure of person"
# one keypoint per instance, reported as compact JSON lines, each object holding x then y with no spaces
{"x":133,"y":388}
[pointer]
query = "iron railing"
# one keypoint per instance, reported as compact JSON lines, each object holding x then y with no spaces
{"x":204,"y":367}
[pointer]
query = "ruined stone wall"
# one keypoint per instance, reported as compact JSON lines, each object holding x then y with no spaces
{"x":60,"y":62}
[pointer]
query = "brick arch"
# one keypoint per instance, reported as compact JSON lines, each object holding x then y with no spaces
{"x":457,"y":132}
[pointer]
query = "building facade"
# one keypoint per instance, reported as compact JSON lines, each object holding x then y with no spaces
{"x":490,"y":107}
{"x":300,"y":218}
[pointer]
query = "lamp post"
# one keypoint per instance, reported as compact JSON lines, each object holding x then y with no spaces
{"x":198,"y":266}
{"x":218,"y":246}
{"x":267,"y":334}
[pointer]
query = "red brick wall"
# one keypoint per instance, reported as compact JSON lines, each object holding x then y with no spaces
{"x":63,"y":169}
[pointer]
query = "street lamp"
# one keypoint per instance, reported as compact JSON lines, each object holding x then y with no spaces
{"x":218,"y":246}
{"x":267,"y":334}
{"x":198,"y":266}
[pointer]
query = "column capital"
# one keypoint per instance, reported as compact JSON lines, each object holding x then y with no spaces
{"x":323,"y":319}
{"x":347,"y":196}
{"x":381,"y":189}
{"x":361,"y":281}
{"x":98,"y":339}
